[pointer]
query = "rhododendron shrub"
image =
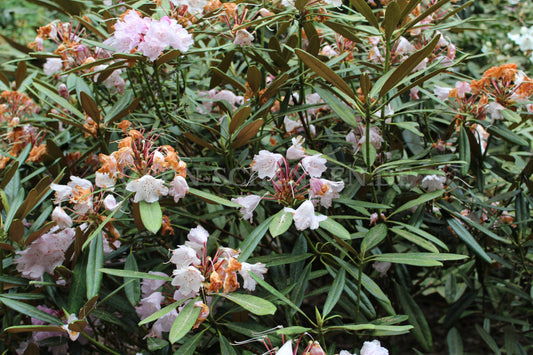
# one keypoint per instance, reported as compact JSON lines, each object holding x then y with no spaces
{"x":282,"y":177}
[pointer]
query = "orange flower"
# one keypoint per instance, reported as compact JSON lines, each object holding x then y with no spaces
{"x":36,"y":153}
{"x":215,"y":282}
{"x":204,"y":312}
{"x":166,"y":227}
{"x":124,"y":125}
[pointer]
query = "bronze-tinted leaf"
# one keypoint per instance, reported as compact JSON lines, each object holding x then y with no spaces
{"x":362,"y":7}
{"x":35,"y":235}
{"x":223,"y":67}
{"x":137,"y":217}
{"x":325,"y":72}
{"x":247,"y":133}
{"x":224,"y":78}
{"x":254,"y":78}
{"x":7,"y":247}
{"x":239,"y":117}
{"x":7,"y":174}
{"x":167,"y":57}
{"x":344,"y":30}
{"x":16,"y":231}
{"x":274,"y":86}
{"x":90,"y":107}
{"x":34,"y":196}
{"x":392,"y":18}
{"x":126,"y":111}
{"x":4,"y":79}
{"x":198,"y":141}
{"x":20,"y":74}
{"x":88,"y":307}
{"x":19,"y":47}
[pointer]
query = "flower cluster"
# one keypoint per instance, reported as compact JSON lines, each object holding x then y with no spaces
{"x":290,"y":185}
{"x":148,"y":36}
{"x":196,"y":273}
{"x":524,"y":39}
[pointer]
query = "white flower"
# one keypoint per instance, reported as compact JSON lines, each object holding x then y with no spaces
{"x":76,"y":183}
{"x":248,"y":203}
{"x":258,"y":269}
{"x":404,"y":46}
{"x":63,"y":220}
{"x":243,"y":38}
{"x":325,"y":190}
{"x":189,"y":279}
{"x":494,"y":109}
{"x":296,"y":151}
{"x":314,"y":165}
{"x":345,"y":352}
{"x":328,"y":51}
{"x":147,"y":189}
{"x":193,"y":6}
{"x":442,"y":93}
{"x":62,"y":192}
{"x":178,"y":188}
{"x":53,"y":65}
{"x":198,"y":235}
{"x":304,"y":216}
{"x":149,"y":305}
{"x":286,"y":349}
{"x":184,"y":256}
{"x":266,"y":163}
{"x":433,"y":182}
{"x":373,"y":348}
{"x":104,"y":180}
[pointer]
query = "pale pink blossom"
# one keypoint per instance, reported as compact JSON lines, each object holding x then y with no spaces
{"x":325,"y":190}
{"x":44,"y":254}
{"x":62,"y":192}
{"x":198,"y":235}
{"x":149,"y":305}
{"x":128,"y":32}
{"x":104,"y":180}
{"x":249,"y":204}
{"x":462,"y":88}
{"x":147,"y":189}
{"x":149,"y":286}
{"x":328,"y":51}
{"x":243,"y":38}
{"x":304,"y":216}
{"x":404,"y":47}
{"x":53,"y":65}
{"x":61,"y":217}
{"x":413,"y":93}
{"x":314,"y":165}
{"x":494,"y":110}
{"x":163,"y":324}
{"x":110,"y":203}
{"x":373,"y":348}
{"x":433,"y":182}
{"x":296,"y":151}
{"x":193,"y":6}
{"x":188,"y":279}
{"x":266,"y":163}
{"x":178,"y":188}
{"x":442,"y":93}
{"x":258,"y":269}
{"x":184,"y":256}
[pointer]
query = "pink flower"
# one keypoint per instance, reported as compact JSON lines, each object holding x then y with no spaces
{"x":304,"y":216}
{"x":249,"y":204}
{"x":163,"y":324}
{"x":198,"y":235}
{"x":266,"y":163}
{"x":128,"y":32}
{"x":441,"y":92}
{"x":149,"y":305}
{"x":325,"y":190}
{"x":147,"y":189}
{"x":110,"y":203}
{"x":314,"y":165}
{"x":178,"y":188}
{"x":44,"y":254}
{"x":52,"y":66}
{"x":149,"y":286}
{"x":163,"y":33}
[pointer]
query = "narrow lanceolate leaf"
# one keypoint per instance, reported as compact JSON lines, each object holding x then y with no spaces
{"x":249,"y":244}
{"x":407,"y":259}
{"x":362,"y":7}
{"x":344,"y":112}
{"x":94,"y":263}
{"x":213,"y":198}
{"x":466,"y":237}
{"x":151,"y":215}
{"x":334,"y":228}
{"x":421,"y":329}
{"x":322,"y":69}
{"x":418,"y":201}
{"x":247,"y":132}
{"x":281,"y":222}
{"x":373,"y":237}
{"x":455,"y":343}
{"x":184,"y":321}
{"x":29,"y":310}
{"x":132,"y":289}
{"x":134,"y":274}
{"x":34,"y":328}
{"x":253,"y":304}
{"x":155,"y":316}
{"x":334,"y":293}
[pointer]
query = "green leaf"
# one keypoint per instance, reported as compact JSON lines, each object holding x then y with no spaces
{"x":464,"y":150}
{"x":184,"y":321}
{"x":134,"y":274}
{"x":466,"y":237}
{"x":324,"y":71}
{"x":334,"y":293}
{"x":94,"y":263}
{"x":488,"y":340}
{"x":415,"y":239}
{"x":253,"y":304}
{"x":58,"y":99}
{"x":418,"y":201}
{"x":151,"y":215}
{"x":455,"y":343}
{"x":421,"y":330}
{"x":29,"y":310}
{"x":213,"y":198}
{"x":373,"y":237}
{"x":281,"y":222}
{"x":225,"y":346}
{"x":407,"y":259}
{"x":155,"y":344}
{"x":190,"y":344}
{"x":294,"y":330}
{"x":334,"y":228}
{"x":279,"y":259}
{"x":392,"y":17}
{"x":249,"y":244}
{"x":133,"y":288}
{"x":155,"y":316}
{"x":508,"y":135}
{"x":344,"y":112}
{"x":370,"y":326}
{"x":76,"y":296}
